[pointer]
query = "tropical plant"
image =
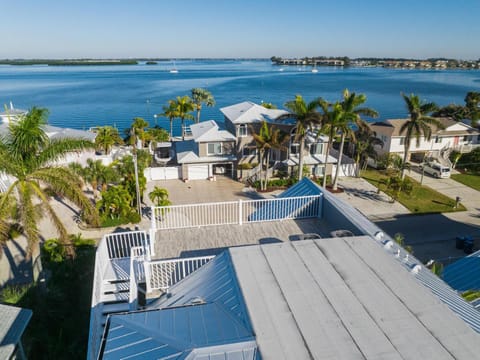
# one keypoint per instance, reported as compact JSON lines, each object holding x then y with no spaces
{"x":365,"y":147}
{"x":306,"y":119}
{"x":399,"y":185}
{"x":157,"y":135}
{"x":184,"y":106}
{"x":269,"y":105}
{"x":201,"y":96}
{"x":27,"y":154}
{"x":170,"y":111}
{"x":455,"y":157}
{"x":115,"y":203}
{"x":399,"y":238}
{"x":419,"y":124}
{"x":472,"y":107}
{"x":107,"y":136}
{"x":351,"y":115}
{"x":332,"y":118}
{"x":267,"y":139}
{"x":159,"y":196}
{"x":138,"y":130}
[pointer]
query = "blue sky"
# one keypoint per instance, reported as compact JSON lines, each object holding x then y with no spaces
{"x":242,"y":28}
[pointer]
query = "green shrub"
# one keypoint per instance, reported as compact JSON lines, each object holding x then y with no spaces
{"x":14,"y":293}
{"x":54,"y":250}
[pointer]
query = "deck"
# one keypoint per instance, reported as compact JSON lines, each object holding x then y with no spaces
{"x":211,"y":240}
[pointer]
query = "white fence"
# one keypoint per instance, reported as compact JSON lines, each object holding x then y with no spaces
{"x":235,"y":212}
{"x":119,"y":245}
{"x":164,"y":273}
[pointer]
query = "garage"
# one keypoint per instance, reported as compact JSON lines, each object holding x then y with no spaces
{"x":198,"y":172}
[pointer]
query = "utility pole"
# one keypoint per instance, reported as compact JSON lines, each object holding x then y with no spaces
{"x":135,"y":166}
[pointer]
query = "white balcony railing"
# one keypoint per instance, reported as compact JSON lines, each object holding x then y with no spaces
{"x":235,"y":212}
{"x":163,"y":274}
{"x":119,"y":244}
{"x":137,"y":274}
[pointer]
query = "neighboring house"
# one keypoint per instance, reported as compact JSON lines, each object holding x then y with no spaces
{"x":241,"y":118}
{"x":13,"y":323}
{"x":455,"y":136}
{"x":11,"y":114}
{"x":349,"y":292}
{"x":210,"y":152}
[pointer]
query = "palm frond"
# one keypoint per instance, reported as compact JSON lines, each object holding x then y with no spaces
{"x":56,"y":149}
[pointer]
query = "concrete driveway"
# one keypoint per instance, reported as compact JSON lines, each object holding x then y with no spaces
{"x":470,"y":198}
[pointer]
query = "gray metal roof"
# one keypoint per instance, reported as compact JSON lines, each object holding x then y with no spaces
{"x":13,"y":322}
{"x":464,"y":274}
{"x":208,"y":131}
{"x":248,"y":112}
{"x":344,"y":298}
{"x":173,"y":333}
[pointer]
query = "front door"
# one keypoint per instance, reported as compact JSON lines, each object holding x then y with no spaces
{"x":455,"y":141}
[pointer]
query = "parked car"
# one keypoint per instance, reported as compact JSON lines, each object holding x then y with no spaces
{"x":435,"y":169}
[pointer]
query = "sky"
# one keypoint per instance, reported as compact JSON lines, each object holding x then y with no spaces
{"x":239,"y":28}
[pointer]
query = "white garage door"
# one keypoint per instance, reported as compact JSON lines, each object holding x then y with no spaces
{"x":197,"y":172}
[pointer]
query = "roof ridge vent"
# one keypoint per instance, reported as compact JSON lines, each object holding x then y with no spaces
{"x":416,"y":269}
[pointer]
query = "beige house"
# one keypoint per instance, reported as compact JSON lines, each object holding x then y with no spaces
{"x":454,"y":136}
{"x":210,"y":152}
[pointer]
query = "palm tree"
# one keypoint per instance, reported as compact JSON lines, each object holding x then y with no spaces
{"x":159,"y":196}
{"x":332,"y":117}
{"x":418,"y":124}
{"x":170,"y":112}
{"x":365,"y":147}
{"x":107,"y":136}
{"x":184,"y":106}
{"x":306,"y":118}
{"x":27,"y":154}
{"x":138,"y":127}
{"x":351,"y":116}
{"x":267,"y":139}
{"x":201,"y":96}
{"x":472,"y":107}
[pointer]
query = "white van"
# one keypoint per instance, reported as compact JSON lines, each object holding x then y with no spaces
{"x":436,"y":170}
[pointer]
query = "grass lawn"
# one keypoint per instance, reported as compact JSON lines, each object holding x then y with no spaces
{"x":421,"y":200}
{"x":472,"y":180}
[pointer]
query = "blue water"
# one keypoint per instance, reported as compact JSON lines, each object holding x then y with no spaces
{"x":86,"y":96}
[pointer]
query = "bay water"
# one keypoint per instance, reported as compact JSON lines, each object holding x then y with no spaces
{"x":85,"y":96}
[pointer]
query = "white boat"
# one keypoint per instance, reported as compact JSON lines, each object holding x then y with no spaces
{"x":174,"y":69}
{"x":315,"y":70}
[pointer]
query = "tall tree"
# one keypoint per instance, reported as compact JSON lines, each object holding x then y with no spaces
{"x":184,"y":106}
{"x":332,"y":118}
{"x":170,"y":112}
{"x":201,"y":96}
{"x":267,"y":139}
{"x":138,"y":127}
{"x":107,"y":136}
{"x":419,"y":123}
{"x":159,"y":196}
{"x":351,"y":116}
{"x":365,"y":147}
{"x":306,"y":119}
{"x":472,"y":107}
{"x":27,"y":154}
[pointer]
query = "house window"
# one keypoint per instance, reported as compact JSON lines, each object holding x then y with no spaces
{"x":438,"y":139}
{"x":383,"y":138}
{"x":316,"y":149}
{"x":242,"y":130}
{"x":402,"y":141}
{"x":319,"y":170}
{"x":466,"y":138}
{"x":214,"y":148}
{"x":294,"y":149}
{"x":249,"y":151}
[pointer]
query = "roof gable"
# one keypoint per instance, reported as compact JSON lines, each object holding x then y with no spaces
{"x":209,"y":131}
{"x":248,"y":112}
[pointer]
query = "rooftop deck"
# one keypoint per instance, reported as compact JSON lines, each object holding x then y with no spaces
{"x":211,"y":240}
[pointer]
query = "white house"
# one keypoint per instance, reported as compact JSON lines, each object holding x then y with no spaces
{"x":454,"y":136}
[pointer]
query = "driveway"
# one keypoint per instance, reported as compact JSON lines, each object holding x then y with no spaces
{"x":470,"y":198}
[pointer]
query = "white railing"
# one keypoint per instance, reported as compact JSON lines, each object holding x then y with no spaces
{"x":235,"y":212}
{"x":119,"y":244}
{"x":466,"y":148}
{"x":137,"y":274}
{"x":163,"y":274}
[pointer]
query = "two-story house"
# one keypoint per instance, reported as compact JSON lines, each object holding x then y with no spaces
{"x":243,"y":118}
{"x":454,"y":136}
{"x":211,"y":151}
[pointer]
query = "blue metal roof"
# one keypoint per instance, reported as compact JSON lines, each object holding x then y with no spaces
{"x":464,"y":274}
{"x":213,"y":282}
{"x":173,"y":333}
{"x":304,"y":187}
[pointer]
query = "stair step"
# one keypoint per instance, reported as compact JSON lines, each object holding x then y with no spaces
{"x":115,"y":298}
{"x":110,"y":288}
{"x":115,"y":308}
{"x":116,"y":281}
